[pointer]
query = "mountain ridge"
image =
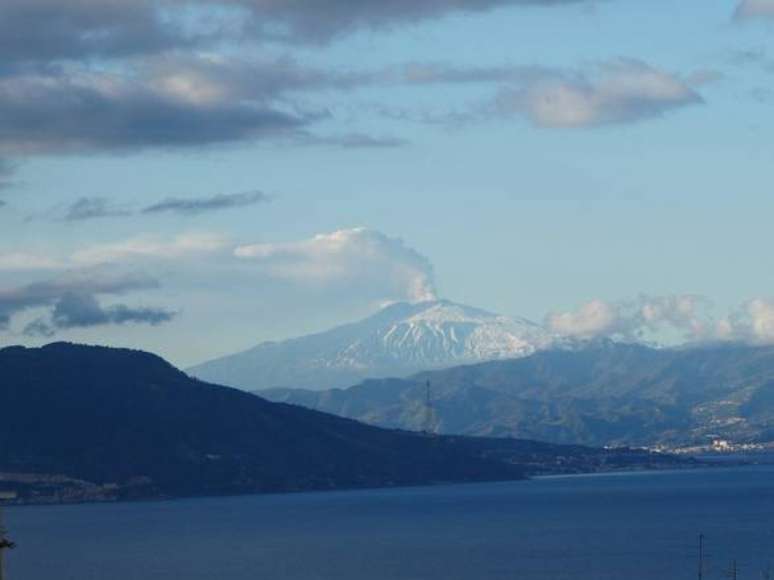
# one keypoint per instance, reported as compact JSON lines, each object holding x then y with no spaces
{"x":603,"y":393}
{"x":116,"y":417}
{"x":88,"y":423}
{"x":398,"y":340}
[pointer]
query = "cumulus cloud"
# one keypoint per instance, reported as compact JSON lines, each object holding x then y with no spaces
{"x":622,"y":91}
{"x":689,"y":315}
{"x":206,"y":204}
{"x":748,"y":9}
{"x":752,"y":322}
{"x":631,"y":320}
{"x":359,"y":258}
{"x":72,"y":300}
{"x":595,"y":318}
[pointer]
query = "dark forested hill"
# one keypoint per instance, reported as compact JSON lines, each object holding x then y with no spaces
{"x":604,"y":394}
{"x":89,"y":416}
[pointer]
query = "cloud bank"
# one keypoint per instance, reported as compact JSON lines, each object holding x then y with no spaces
{"x":632,"y":319}
{"x":127,"y":75}
{"x":52,"y":30}
{"x":343,"y":267}
{"x":689,"y":315}
{"x":752,"y":322}
{"x":72,"y":301}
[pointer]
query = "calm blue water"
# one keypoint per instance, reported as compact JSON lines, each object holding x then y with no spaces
{"x":621,"y":527}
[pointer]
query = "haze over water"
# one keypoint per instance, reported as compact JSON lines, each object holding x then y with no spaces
{"x":604,"y":527}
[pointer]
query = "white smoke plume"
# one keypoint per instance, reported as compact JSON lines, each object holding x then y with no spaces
{"x":357,"y":258}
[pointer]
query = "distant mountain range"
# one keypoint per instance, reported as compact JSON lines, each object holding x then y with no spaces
{"x":398,"y":341}
{"x":90,"y":423}
{"x":605,"y":393}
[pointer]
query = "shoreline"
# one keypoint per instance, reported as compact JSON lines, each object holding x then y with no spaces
{"x":530,"y":477}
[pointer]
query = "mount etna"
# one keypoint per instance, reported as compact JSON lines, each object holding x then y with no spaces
{"x":398,"y":341}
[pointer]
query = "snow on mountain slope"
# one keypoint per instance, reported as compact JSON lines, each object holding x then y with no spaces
{"x":397,"y":341}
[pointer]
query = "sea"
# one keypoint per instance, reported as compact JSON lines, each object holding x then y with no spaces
{"x":622,"y":526}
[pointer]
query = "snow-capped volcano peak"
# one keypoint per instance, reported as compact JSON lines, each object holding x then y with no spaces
{"x":441,"y":333}
{"x":399,"y":340}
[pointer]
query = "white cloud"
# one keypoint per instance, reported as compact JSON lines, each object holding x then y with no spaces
{"x":633,"y":319}
{"x":686,"y":313}
{"x":347,"y":266}
{"x":752,"y":322}
{"x":359,"y":263}
{"x":151,"y":247}
{"x":21,"y":261}
{"x":142,"y":248}
{"x":595,"y":318}
{"x":357,"y":258}
{"x":622,"y":91}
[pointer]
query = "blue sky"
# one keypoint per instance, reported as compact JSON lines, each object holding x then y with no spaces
{"x":569,"y":161}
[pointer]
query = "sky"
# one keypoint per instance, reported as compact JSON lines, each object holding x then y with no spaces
{"x":193,"y":177}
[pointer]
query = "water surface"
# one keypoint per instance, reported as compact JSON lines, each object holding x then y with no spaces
{"x":604,"y":527}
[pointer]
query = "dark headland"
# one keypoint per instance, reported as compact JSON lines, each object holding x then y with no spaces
{"x":83,"y":423}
